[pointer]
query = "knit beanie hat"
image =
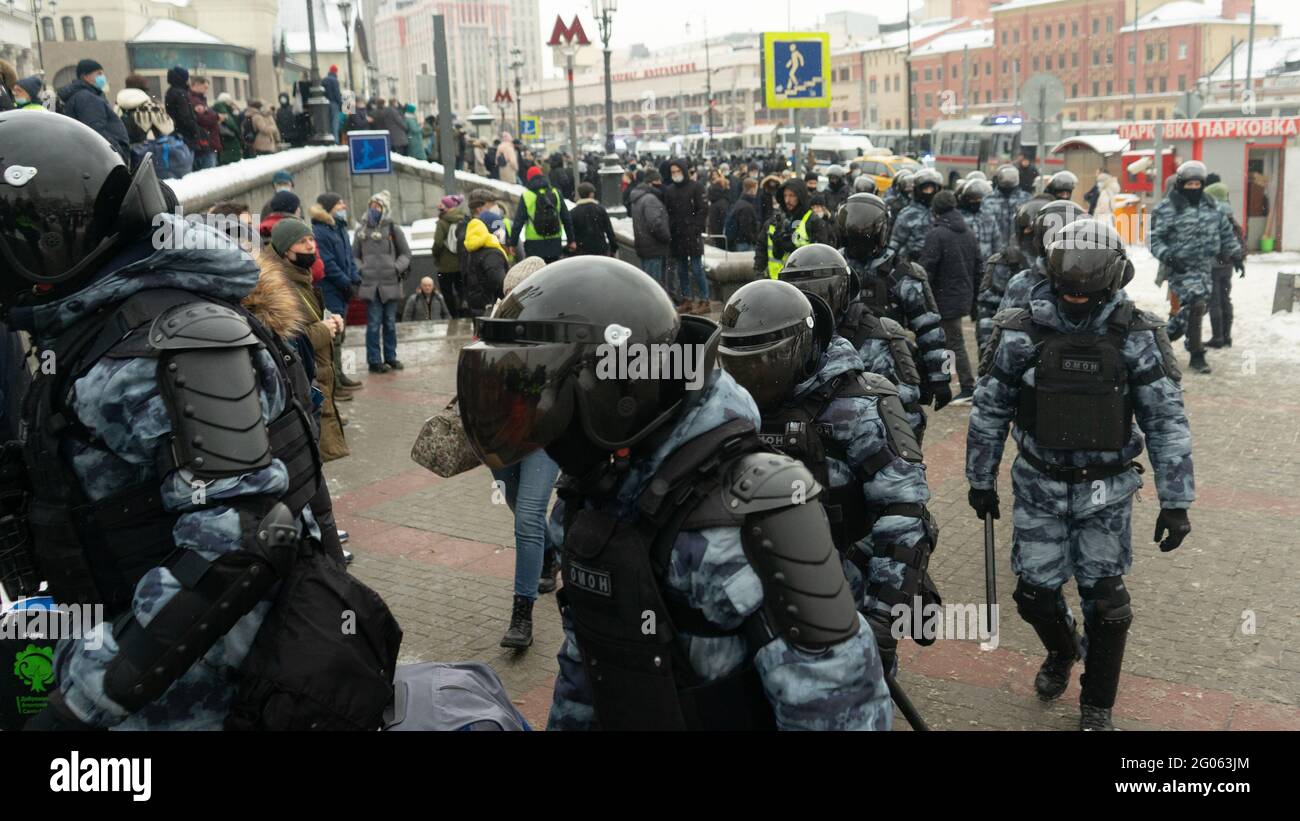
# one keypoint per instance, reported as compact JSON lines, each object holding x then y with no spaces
{"x":286,"y":232}
{"x":944,"y":201}
{"x":285,"y":202}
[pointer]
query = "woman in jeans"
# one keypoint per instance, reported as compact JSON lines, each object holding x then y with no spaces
{"x":527,"y":487}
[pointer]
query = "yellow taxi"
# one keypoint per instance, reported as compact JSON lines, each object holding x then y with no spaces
{"x":883,"y":167}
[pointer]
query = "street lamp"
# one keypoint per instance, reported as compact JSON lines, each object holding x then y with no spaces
{"x":611,"y":172}
{"x":345,"y":9}
{"x":517,"y":63}
{"x":317,"y":104}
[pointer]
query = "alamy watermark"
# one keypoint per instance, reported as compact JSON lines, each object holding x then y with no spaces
{"x":951,"y":621}
{"x":619,"y":359}
{"x":81,"y":622}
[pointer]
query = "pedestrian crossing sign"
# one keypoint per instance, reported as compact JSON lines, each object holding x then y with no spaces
{"x":529,"y":128}
{"x":369,"y":152}
{"x":796,"y":69}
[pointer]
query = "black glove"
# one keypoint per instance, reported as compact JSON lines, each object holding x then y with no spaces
{"x":1173,"y":520}
{"x":1239,"y":265}
{"x":984,"y":501}
{"x":1177,"y":267}
{"x":882,"y":630}
{"x":942,"y":393}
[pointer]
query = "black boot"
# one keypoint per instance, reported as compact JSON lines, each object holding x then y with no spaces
{"x":1107,"y":635}
{"x":520,"y":633}
{"x":1094,"y":718}
{"x":1045,"y":611}
{"x":550,"y":564}
{"x":1198,"y":363}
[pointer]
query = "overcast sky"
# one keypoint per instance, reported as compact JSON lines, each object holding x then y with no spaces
{"x":662,"y":22}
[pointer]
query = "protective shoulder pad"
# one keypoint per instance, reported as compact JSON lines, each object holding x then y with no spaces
{"x":759,"y":482}
{"x":1014,"y":319}
{"x":806,"y":598}
{"x":210,"y":387}
{"x":196,"y":325}
{"x":894,"y":329}
{"x":1145,"y":321}
{"x":916,"y":271}
{"x":868,"y":384}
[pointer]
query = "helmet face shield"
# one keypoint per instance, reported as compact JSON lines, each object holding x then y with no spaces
{"x":769,"y":370}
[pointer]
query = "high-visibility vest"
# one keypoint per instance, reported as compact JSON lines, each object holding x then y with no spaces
{"x":530,"y":204}
{"x":775,"y":263}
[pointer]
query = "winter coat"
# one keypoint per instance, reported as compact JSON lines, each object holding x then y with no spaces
{"x":334,"y":250}
{"x":384,"y":258}
{"x":143,"y":116}
{"x":414,"y":138}
{"x":507,"y":162}
{"x":592,"y":229}
{"x":86,"y":103}
{"x":1107,"y":190}
{"x":651,"y":236}
{"x":446,"y":260}
{"x":485,"y":266}
{"x":688,"y":214}
{"x":230,"y":129}
{"x":420,"y":308}
{"x":1003,"y":208}
{"x":744,"y":217}
{"x":1191,"y":239}
{"x":549,"y":249}
{"x":266,"y":134}
{"x":719,"y":204}
{"x":951,"y":257}
{"x":908,"y":235}
{"x":209,"y":122}
{"x":330,"y":84}
{"x":391,"y":120}
{"x":563,"y":179}
{"x":179,"y":108}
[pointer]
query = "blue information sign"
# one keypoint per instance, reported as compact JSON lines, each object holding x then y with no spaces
{"x":369,"y":152}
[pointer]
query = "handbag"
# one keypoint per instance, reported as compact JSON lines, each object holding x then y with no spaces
{"x":442,"y":445}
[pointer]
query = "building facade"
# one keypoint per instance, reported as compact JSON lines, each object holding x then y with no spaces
{"x":18,"y":38}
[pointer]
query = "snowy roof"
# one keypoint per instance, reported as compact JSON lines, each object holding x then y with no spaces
{"x":956,"y":41}
{"x":1012,"y":5}
{"x":1271,"y":58}
{"x":1103,"y":144}
{"x":898,"y":39}
{"x":331,"y":32}
{"x":1188,"y":12}
{"x":174,"y":31}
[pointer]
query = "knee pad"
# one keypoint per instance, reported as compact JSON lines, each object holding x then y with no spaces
{"x":1111,"y":606}
{"x":1038,"y":604}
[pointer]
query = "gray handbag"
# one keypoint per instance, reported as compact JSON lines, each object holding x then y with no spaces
{"x":442,"y":445}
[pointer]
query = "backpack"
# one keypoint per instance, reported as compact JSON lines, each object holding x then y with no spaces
{"x":546,"y":214}
{"x":172,"y":158}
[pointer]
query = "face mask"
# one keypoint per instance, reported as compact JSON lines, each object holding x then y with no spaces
{"x":101,"y":82}
{"x":924,"y":197}
{"x":970,"y":207}
{"x":1078,"y":312}
{"x":304,"y":261}
{"x":342,"y":214}
{"x":21,"y":101}
{"x":1193,"y":195}
{"x":678,"y":178}
{"x":374,"y":215}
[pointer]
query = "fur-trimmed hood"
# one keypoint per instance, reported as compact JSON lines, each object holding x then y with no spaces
{"x":317,"y":213}
{"x":8,"y":74}
{"x":273,"y":300}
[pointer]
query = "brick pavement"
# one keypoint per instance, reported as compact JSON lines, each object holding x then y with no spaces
{"x":441,"y":553}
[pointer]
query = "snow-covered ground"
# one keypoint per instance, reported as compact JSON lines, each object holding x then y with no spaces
{"x":1255,"y":330}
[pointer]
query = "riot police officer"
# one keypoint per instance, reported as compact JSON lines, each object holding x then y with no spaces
{"x":982,"y":224}
{"x":171,"y":468}
{"x":837,"y":188}
{"x":1048,"y":217}
{"x":1061,"y":185}
{"x":1069,"y":375}
{"x":864,"y":184}
{"x":899,"y":193}
{"x":1016,"y":256}
{"x":680,"y":534}
{"x":882,"y":343}
{"x":913,"y":223}
{"x":891,"y":289}
{"x":846,"y":425}
{"x":1189,"y":235}
{"x":1007,"y":198}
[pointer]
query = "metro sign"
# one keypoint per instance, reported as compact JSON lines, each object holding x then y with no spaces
{"x":568,"y":35}
{"x":504,"y":96}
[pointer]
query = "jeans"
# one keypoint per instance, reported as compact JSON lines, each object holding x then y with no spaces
{"x":207,"y":159}
{"x":957,"y":344}
{"x":696,"y":273}
{"x":528,"y":486}
{"x":654,"y":266}
{"x":377,"y":314}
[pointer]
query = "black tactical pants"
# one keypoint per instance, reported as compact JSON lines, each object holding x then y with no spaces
{"x":1221,"y":305}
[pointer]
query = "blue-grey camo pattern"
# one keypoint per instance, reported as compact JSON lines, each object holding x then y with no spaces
{"x":119,"y":402}
{"x":1158,"y":409}
{"x":1022,"y":284}
{"x":911,"y":226}
{"x":878,"y":357}
{"x":1002,"y":208}
{"x":1191,"y":237}
{"x":1190,"y":288}
{"x":998,"y":270}
{"x":1049,"y":549}
{"x":842,"y":688}
{"x":988,"y":234}
{"x":912,"y":305}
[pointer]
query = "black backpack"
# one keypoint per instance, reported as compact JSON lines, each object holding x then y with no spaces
{"x":546,"y":214}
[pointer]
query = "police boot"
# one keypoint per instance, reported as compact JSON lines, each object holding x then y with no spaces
{"x":1198,"y":363}
{"x":546,"y":582}
{"x":1044,"y":609}
{"x":520,"y":633}
{"x":1107,"y":634}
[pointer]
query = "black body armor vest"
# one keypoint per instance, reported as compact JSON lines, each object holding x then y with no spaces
{"x":97,"y":551}
{"x":861,"y":323}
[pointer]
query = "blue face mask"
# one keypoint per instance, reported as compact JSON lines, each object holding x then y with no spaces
{"x":341,"y":214}
{"x":375,"y":214}
{"x":101,"y":82}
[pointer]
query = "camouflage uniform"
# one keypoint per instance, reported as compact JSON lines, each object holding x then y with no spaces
{"x":895,"y":200}
{"x":911,"y":227}
{"x":120,"y":403}
{"x":1003,"y":210}
{"x":842,"y":688}
{"x":986,"y":230}
{"x":1193,"y":239}
{"x":912,"y":305}
{"x":1022,"y":284}
{"x":1077,"y":530}
{"x":998,"y":270}
{"x":878,"y":358}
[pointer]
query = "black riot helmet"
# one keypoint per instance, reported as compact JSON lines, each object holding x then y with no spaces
{"x":958,"y":188}
{"x":863,"y":226}
{"x":1188,"y":171}
{"x":973,"y":193}
{"x":1087,"y":258}
{"x":1007,"y":178}
{"x":1024,"y":221}
{"x":977,"y":175}
{"x":903,"y":180}
{"x":773,"y":338}
{"x":1061,"y":185}
{"x":584,"y":358}
{"x":864,"y":184}
{"x":820,"y":269}
{"x":1052,"y":217}
{"x":835,"y":176}
{"x":926,"y":177}
{"x":68,"y":203}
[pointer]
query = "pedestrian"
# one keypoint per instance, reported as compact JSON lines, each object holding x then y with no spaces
{"x":453,"y":213}
{"x":151,"y":131}
{"x":387,"y":118}
{"x":1040,"y":219}
{"x":292,"y":254}
{"x":688,"y":213}
{"x":1079,"y":431}
{"x":425,"y":304}
{"x":651,"y":237}
{"x":792,"y":227}
{"x":207,"y":145}
{"x":27,"y":93}
{"x":179,"y":108}
{"x":231,"y":130}
{"x":414,"y":136}
{"x":719,"y":205}
{"x":1221,"y":275}
{"x":951,"y":258}
{"x":283,"y":204}
{"x":787,"y":672}
{"x":507,"y":158}
{"x":543,"y":219}
{"x":592,"y":229}
{"x":771,"y":197}
{"x":1028,"y":172}
{"x":83,"y":100}
{"x":266,"y":135}
{"x":741,"y":226}
{"x":288,"y":123}
{"x":330,"y":83}
{"x":1107,"y":190}
{"x":385,"y":258}
{"x":342,"y":277}
{"x":1190,"y":234}
{"x":484,"y":265}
